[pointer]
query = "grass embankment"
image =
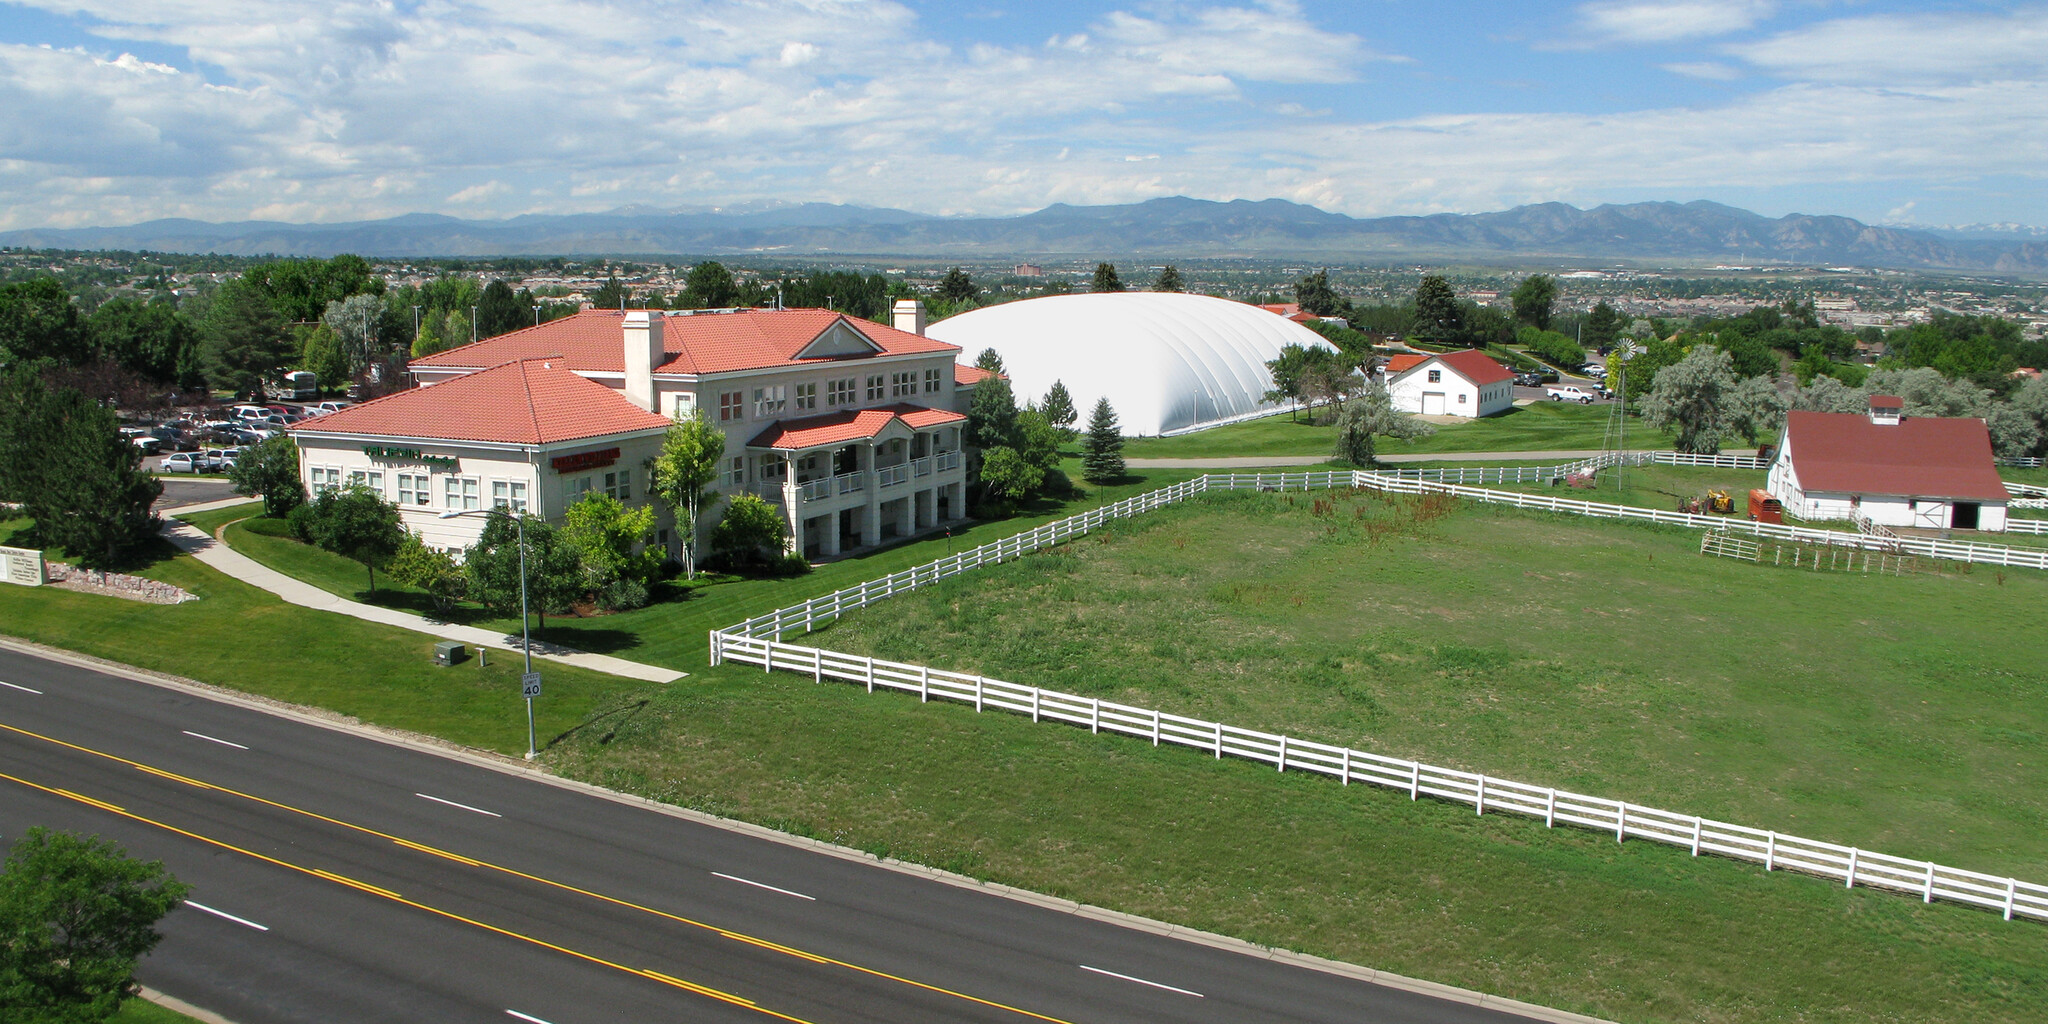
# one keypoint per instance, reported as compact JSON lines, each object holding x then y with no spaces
{"x":1540,"y":426}
{"x":1634,"y":932}
{"x":671,"y":631}
{"x":142,"y":1011}
{"x":1895,"y":714}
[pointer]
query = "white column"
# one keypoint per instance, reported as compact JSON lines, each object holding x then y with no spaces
{"x":906,"y":520}
{"x":871,"y":513}
{"x":829,"y":543}
{"x":793,"y":506}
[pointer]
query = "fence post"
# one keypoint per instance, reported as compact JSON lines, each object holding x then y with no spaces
{"x":1219,"y":741}
{"x":1155,"y":727}
{"x":1850,"y":881}
{"x":1927,"y":893}
{"x":716,"y":636}
{"x":1550,"y":808}
{"x":1095,"y":724}
{"x":1036,"y":693}
{"x":817,"y":664}
{"x":1481,"y":804}
{"x":2012,"y":889}
{"x":1620,"y":820}
{"x":768,"y":652}
{"x":1696,"y":823}
{"x":924,"y":684}
{"x":871,"y":673}
{"x":980,"y":688}
{"x":1347,"y":766}
{"x":1771,"y":853}
{"x":1414,"y":779}
{"x":1282,"y":760}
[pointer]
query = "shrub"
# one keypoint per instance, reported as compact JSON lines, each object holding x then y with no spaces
{"x":622,"y":595}
{"x":750,"y":530}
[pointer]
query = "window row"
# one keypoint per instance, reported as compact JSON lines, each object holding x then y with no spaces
{"x":458,"y":493}
{"x":771,"y":401}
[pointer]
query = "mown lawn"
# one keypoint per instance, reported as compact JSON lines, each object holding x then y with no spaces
{"x":142,"y":1011}
{"x":1540,"y":426}
{"x":1897,"y":714}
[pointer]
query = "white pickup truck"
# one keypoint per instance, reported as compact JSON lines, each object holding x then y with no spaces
{"x":1569,"y":393}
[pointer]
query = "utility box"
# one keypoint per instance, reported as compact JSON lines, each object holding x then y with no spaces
{"x":448,"y":652}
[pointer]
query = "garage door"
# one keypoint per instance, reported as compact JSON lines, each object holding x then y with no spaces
{"x":1432,"y":403}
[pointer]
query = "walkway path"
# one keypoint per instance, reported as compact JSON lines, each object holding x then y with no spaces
{"x":240,"y":566}
{"x":1270,"y":461}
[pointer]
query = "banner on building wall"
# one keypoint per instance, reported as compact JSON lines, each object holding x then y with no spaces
{"x":584,"y":460}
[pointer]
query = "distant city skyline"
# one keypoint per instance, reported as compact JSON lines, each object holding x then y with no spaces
{"x":1897,"y":113}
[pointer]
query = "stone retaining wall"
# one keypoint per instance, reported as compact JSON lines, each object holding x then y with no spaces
{"x":114,"y":584}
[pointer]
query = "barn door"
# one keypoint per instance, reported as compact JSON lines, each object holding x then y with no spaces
{"x":1965,"y":515}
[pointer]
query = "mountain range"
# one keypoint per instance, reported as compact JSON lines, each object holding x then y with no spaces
{"x":1160,"y":228}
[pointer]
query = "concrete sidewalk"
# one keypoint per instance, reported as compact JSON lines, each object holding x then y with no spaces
{"x":1272,"y":461}
{"x":233,"y":563}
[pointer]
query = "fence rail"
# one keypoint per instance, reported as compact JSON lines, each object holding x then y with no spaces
{"x":758,"y":641}
{"x":1774,"y":850}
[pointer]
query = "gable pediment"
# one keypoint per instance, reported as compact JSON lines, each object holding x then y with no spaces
{"x":838,"y":339}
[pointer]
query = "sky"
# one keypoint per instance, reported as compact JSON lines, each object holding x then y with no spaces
{"x":120,"y":111}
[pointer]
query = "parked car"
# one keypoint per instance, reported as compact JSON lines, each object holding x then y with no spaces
{"x":248,"y":412}
{"x":186,"y":462}
{"x":327,"y":407}
{"x":215,"y":460}
{"x":1570,"y":393}
{"x":174,"y":439}
{"x":228,"y":457}
{"x":1597,"y":371}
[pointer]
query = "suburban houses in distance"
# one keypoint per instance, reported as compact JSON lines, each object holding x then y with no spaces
{"x":852,"y":427}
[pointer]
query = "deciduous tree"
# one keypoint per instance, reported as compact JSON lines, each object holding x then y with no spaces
{"x":499,"y":310}
{"x":1369,"y":416}
{"x":554,"y":577}
{"x":684,"y":472}
{"x":1693,"y":398}
{"x":270,"y":468}
{"x":1533,"y":299}
{"x":416,"y":565}
{"x":751,"y":532}
{"x":709,"y":286}
{"x":1316,"y":298}
{"x":39,"y":321}
{"x":76,"y":913}
{"x":992,"y":415}
{"x":353,"y":522}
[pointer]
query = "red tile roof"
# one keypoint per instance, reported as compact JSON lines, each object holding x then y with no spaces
{"x":965,"y":376}
{"x":1476,"y":366}
{"x":1845,"y":453}
{"x":593,"y":341}
{"x":530,"y":401}
{"x":848,"y":426}
{"x":1404,"y":362}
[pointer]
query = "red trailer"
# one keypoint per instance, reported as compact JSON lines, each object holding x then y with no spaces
{"x":1765,"y":509}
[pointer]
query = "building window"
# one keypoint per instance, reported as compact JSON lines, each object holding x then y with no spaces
{"x":842,"y":392}
{"x":509,"y":495}
{"x":731,"y":405}
{"x":931,"y":382}
{"x":574,"y":489}
{"x":902,"y":385}
{"x":1436,"y":376}
{"x":619,"y":485}
{"x":463,"y":492}
{"x":769,"y":401}
{"x":875,"y":388}
{"x":1461,"y":398}
{"x":371,"y":479}
{"x":736,"y":473}
{"x":412,"y":489}
{"x":806,"y":396}
{"x":324,"y":478}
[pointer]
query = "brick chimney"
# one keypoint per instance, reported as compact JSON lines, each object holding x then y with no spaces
{"x":1885,"y":410}
{"x":910,"y":316}
{"x":643,"y":353}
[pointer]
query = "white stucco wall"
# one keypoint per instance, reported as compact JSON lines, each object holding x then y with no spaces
{"x":1461,"y":396}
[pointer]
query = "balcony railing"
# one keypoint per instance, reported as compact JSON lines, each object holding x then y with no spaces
{"x":890,"y":476}
{"x":851,"y":482}
{"x":948,"y":460}
{"x":815,"y":490}
{"x":921,"y":467}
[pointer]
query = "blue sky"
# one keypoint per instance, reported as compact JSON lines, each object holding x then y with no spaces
{"x":326,"y":110}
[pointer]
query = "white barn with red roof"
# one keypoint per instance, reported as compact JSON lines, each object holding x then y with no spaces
{"x":852,"y":427}
{"x":1461,"y":383}
{"x":1896,"y":470}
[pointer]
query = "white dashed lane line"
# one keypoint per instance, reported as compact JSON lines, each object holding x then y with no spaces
{"x":1141,"y":981}
{"x":225,"y":916}
{"x":527,"y":1017}
{"x":466,"y":807}
{"x":764,"y":885}
{"x":23,"y":689}
{"x":212,"y":739}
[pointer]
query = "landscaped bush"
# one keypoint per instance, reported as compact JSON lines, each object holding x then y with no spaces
{"x":1552,"y":347}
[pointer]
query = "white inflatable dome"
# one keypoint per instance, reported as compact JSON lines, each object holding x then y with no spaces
{"x":1168,"y":362}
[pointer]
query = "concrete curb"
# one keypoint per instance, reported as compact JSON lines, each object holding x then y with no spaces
{"x":516,"y":766}
{"x":181,"y":1006}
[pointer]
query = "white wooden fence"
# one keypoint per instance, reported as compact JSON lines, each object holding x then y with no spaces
{"x":1774,"y":850}
{"x":758,"y":641}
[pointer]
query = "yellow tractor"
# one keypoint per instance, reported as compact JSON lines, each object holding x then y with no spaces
{"x":1719,"y":503}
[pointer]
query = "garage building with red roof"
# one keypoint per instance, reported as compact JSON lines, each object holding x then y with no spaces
{"x":1461,"y":383}
{"x":1890,"y":469}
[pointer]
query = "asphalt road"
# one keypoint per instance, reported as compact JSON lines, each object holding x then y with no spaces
{"x":340,"y":878}
{"x":192,"y":490}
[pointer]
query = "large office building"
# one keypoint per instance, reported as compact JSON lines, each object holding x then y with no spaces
{"x":853,"y":428}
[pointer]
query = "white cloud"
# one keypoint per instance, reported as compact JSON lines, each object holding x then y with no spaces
{"x":479,"y":193}
{"x":1893,"y":49}
{"x":1632,"y":21}
{"x":1709,"y":70}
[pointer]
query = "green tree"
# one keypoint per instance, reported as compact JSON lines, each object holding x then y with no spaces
{"x":610,"y":295}
{"x":683,"y":473}
{"x":63,"y":458}
{"x":992,"y":415}
{"x":1038,"y":441}
{"x":1551,"y":347}
{"x":1102,"y":456}
{"x":554,"y":576}
{"x":321,"y":355}
{"x":498,"y":311}
{"x":39,"y":321}
{"x":354,"y":322}
{"x":416,"y":565}
{"x":243,"y":340}
{"x":2014,"y":434}
{"x":1828,"y":394}
{"x":1106,"y":279}
{"x":1693,"y":398}
{"x":1602,"y":328}
{"x":76,"y":913}
{"x":1288,"y":368}
{"x":270,"y":468}
{"x":2031,"y":401}
{"x":991,"y":360}
{"x":353,"y":522}
{"x":608,"y":539}
{"x":1008,"y":476}
{"x":1438,"y":317}
{"x":1927,"y":391}
{"x":149,"y":338}
{"x":1316,"y":298}
{"x":956,"y":287}
{"x":1059,"y":410}
{"x":1533,"y":299}
{"x":709,"y":286}
{"x":750,"y":533}
{"x":1168,"y":280}
{"x":1369,"y":416}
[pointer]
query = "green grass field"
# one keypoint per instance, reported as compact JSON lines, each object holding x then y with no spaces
{"x":142,"y":1011}
{"x":1895,"y":714}
{"x":1633,"y":932}
{"x":1540,"y":426}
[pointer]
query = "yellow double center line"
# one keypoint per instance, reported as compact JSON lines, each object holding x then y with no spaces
{"x":750,"y":940}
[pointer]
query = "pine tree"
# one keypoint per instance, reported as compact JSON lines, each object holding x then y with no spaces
{"x":957,"y":287}
{"x":1169,"y":280}
{"x":1102,"y":460}
{"x":1437,"y":314}
{"x":1059,"y":410}
{"x":989,"y":360}
{"x":1106,"y":279}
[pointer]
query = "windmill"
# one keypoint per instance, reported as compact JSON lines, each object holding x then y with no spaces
{"x":1617,"y":418}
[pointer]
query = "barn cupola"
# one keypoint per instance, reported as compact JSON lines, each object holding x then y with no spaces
{"x":1885,"y":410}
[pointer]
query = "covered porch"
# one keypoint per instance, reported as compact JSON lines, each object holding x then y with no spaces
{"x":849,"y":482}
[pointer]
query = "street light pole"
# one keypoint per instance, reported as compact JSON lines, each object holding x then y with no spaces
{"x":529,"y":680}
